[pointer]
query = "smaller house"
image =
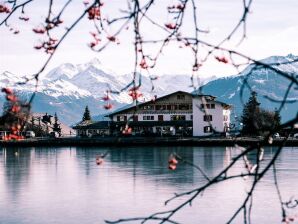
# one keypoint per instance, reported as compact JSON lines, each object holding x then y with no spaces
{"x":89,"y":128}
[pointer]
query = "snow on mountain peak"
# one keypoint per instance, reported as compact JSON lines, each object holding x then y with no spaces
{"x":62,"y":87}
{"x":95,"y":62}
{"x":8,"y":79}
{"x":279,"y":59}
{"x":65,"y":71}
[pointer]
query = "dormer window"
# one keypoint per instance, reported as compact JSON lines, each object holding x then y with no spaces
{"x":180,"y":97}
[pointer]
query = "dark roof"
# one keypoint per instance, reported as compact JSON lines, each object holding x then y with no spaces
{"x":95,"y":125}
{"x":130,"y":106}
{"x":199,"y":93}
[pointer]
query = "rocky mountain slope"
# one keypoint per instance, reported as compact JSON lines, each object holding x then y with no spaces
{"x":68,"y":88}
{"x":270,"y":86}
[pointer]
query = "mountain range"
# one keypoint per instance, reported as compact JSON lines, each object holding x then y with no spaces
{"x":270,"y":86}
{"x":68,"y":88}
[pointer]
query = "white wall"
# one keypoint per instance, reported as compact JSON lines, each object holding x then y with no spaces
{"x":217,"y":122}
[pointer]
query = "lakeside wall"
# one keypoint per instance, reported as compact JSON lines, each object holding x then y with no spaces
{"x":145,"y":141}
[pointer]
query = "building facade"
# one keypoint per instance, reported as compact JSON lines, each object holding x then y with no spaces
{"x":176,"y":114}
{"x":167,"y":115}
{"x":91,"y":129}
{"x":209,"y":115}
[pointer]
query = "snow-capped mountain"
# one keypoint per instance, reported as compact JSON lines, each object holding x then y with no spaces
{"x":270,"y":86}
{"x":68,"y":88}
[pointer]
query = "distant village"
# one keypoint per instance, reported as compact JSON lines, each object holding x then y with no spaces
{"x":177,"y":114}
{"x":182,"y":114}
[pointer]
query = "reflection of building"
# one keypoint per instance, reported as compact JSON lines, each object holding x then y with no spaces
{"x":179,"y":113}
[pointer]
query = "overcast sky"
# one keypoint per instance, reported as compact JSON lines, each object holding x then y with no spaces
{"x":272,"y":29}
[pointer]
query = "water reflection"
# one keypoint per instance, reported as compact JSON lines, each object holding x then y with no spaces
{"x":64,"y":185}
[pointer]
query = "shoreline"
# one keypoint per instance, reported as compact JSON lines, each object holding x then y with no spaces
{"x":145,"y":141}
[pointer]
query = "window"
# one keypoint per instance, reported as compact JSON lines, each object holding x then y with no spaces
{"x":208,"y":106}
{"x":178,"y":118}
{"x":180,"y":97}
{"x":168,"y":107}
{"x":207,"y":129}
{"x":207,"y":117}
{"x":148,"y":118}
{"x":121,"y":118}
{"x":160,"y":107}
{"x":135,"y":118}
{"x":160,"y":117}
{"x":148,"y":107}
{"x":191,"y":117}
{"x":183,"y":107}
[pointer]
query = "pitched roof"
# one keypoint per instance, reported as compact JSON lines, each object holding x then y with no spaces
{"x":130,"y":106}
{"x":95,"y":125}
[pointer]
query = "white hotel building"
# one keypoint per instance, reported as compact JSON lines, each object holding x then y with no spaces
{"x":179,"y":113}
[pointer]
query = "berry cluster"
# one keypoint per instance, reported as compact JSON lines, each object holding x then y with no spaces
{"x":49,"y":46}
{"x":13,"y":111}
{"x":172,"y":162}
{"x":127,"y":130}
{"x":107,"y":99}
{"x":222,"y":59}
{"x":94,"y":12}
{"x":4,"y":9}
{"x":134,"y":93}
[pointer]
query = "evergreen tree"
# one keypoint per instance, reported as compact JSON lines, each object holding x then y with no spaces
{"x":257,"y":121}
{"x":277,"y":118}
{"x":56,"y":125}
{"x":86,"y":115}
{"x":250,"y":114}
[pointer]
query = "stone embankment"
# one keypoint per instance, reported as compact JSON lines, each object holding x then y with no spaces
{"x":145,"y":141}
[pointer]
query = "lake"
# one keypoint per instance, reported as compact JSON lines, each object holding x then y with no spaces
{"x":65,"y":185}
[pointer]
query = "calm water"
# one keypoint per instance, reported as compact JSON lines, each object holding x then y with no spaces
{"x":64,"y":185}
